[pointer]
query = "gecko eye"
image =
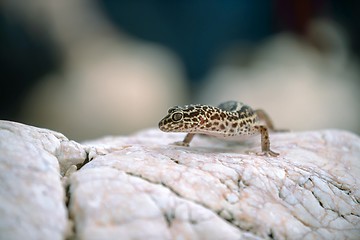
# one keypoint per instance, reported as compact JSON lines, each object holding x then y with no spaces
{"x":177,"y":116}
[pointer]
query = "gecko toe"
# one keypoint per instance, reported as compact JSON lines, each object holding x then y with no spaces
{"x":268,"y":153}
{"x":183,"y":144}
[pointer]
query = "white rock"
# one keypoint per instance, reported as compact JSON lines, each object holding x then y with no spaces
{"x":32,"y":199}
{"x":310,"y":191}
{"x":141,"y":187}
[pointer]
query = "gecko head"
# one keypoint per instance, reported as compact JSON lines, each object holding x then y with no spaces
{"x":180,"y":119}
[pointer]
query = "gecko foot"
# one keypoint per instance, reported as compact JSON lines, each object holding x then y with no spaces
{"x":268,"y":153}
{"x":184,"y":144}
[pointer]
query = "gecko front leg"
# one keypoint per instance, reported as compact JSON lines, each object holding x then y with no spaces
{"x":186,"y":141}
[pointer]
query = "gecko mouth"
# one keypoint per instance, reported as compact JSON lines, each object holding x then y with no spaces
{"x":161,"y":126}
{"x":168,"y":129}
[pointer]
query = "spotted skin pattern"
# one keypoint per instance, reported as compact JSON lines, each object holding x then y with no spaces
{"x":230,"y":120}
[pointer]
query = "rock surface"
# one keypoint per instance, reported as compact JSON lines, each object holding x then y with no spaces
{"x":141,"y":187}
{"x":32,"y":200}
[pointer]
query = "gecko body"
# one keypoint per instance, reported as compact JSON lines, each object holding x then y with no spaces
{"x":230,"y":120}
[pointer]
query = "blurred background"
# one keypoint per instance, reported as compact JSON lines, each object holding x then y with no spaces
{"x":90,"y":68}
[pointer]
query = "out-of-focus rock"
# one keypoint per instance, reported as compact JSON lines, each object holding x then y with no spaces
{"x":142,"y":187}
{"x":302,"y":84}
{"x":118,"y":83}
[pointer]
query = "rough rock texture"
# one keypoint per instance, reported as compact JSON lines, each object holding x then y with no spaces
{"x":140,"y":187}
{"x":32,"y":200}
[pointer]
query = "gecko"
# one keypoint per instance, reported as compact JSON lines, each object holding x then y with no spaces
{"x":230,"y":120}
